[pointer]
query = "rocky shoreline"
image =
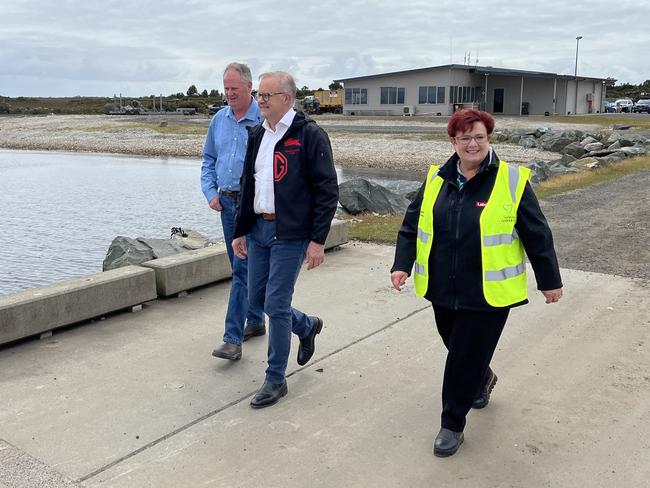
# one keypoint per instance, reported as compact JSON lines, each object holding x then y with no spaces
{"x":399,"y":151}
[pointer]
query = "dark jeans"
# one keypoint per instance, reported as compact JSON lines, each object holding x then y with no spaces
{"x":273,"y":267}
{"x":239,"y":310}
{"x":471,"y":338}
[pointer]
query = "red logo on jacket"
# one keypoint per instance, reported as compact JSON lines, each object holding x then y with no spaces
{"x":280,"y":166}
{"x":292,"y":141}
{"x":480,"y":203}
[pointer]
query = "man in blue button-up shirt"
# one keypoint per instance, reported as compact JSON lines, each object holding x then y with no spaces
{"x":223,"y":161}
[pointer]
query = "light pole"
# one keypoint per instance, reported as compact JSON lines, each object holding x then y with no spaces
{"x":575,"y":74}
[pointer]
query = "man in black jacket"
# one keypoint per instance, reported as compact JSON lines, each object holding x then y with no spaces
{"x":289,"y":194}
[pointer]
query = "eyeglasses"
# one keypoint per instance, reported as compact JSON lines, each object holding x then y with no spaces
{"x":465,"y":140}
{"x":267,"y":96}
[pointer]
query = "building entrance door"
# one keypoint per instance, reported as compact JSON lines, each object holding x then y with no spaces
{"x":498,"y":101}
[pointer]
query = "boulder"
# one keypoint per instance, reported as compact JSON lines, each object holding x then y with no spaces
{"x":593,"y":146}
{"x":615,"y":146}
{"x":574,"y":149}
{"x":634,"y":151}
{"x":125,"y":251}
{"x":556,"y":141}
{"x":588,"y":140}
{"x":528,"y":141}
{"x":408,"y":189}
{"x":540,"y":131}
{"x":538,"y":171}
{"x":360,"y":195}
{"x":585,"y":163}
{"x":621,"y":127}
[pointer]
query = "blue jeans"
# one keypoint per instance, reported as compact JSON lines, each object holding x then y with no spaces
{"x":239,"y":310}
{"x":273,"y":267}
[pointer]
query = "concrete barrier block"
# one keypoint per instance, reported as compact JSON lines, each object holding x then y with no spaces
{"x":42,"y":309}
{"x":338,"y":234}
{"x":190,"y":269}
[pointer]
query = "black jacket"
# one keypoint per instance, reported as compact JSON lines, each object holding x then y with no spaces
{"x":305,"y":185}
{"x":455,"y":260}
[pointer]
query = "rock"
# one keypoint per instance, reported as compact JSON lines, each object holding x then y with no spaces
{"x":588,"y":140}
{"x":360,"y":195}
{"x":634,"y":151}
{"x":585,"y":163}
{"x":593,"y":146}
{"x":501,"y":135}
{"x":574,"y":149}
{"x":621,"y":127}
{"x":190,"y":239}
{"x":611,"y":158}
{"x":528,"y":141}
{"x":556,"y":141}
{"x":616,"y":145}
{"x":560,"y":169}
{"x":125,"y":251}
{"x":539,"y":171}
{"x":540,"y":131}
{"x":406,"y":188}
{"x":566,"y":159}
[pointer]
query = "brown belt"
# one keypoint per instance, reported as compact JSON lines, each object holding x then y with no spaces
{"x":231,"y":194}
{"x":268,"y":216}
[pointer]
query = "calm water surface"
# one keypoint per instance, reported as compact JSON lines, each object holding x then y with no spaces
{"x":60,"y":211}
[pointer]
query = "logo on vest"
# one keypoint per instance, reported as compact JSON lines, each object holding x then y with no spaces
{"x":280,"y":166}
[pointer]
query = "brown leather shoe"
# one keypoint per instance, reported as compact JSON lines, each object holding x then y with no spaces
{"x":252,"y":330}
{"x":228,"y":351}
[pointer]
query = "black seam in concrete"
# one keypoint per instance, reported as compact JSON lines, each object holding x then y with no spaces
{"x":239,"y":400}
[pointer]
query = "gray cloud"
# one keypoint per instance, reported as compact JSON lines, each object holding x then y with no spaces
{"x":74,"y":47}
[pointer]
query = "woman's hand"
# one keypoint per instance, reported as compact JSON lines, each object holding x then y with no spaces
{"x":398,"y":278}
{"x":552,"y":296}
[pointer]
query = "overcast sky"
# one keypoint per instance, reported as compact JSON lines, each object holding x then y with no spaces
{"x":141,"y":47}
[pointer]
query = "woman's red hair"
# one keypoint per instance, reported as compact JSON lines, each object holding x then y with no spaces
{"x":464,"y":119}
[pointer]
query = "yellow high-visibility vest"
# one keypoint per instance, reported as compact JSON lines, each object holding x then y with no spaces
{"x":502,"y":254}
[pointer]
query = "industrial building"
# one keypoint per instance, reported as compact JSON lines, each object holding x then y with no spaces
{"x":439,"y":90}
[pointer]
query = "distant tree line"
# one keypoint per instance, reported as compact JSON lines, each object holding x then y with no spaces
{"x":627,"y":90}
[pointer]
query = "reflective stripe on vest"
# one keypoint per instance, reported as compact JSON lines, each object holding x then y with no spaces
{"x":503,"y":259}
{"x":425,"y":231}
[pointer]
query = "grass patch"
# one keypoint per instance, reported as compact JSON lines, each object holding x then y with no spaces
{"x":374,"y":228}
{"x":605,"y":120}
{"x":574,"y":181}
{"x":383,"y":229}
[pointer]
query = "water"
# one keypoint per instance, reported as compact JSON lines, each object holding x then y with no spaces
{"x":60,"y":211}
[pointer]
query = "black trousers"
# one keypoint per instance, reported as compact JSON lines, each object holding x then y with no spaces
{"x":471,"y":338}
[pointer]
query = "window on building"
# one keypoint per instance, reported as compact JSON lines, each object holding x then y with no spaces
{"x":391,"y":95}
{"x":356,"y":96}
{"x":431,"y":94}
{"x":464,"y":94}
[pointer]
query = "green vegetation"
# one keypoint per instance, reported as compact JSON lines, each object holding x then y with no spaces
{"x":574,"y":181}
{"x":35,"y":106}
{"x":383,"y":228}
{"x":627,"y":90}
{"x":605,"y":120}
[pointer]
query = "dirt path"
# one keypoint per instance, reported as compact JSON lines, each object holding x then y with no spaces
{"x":604,"y":228}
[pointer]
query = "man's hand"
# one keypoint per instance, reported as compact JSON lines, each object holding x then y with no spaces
{"x":552,"y":296}
{"x":315,"y":255}
{"x":215,"y":204}
{"x":239,"y":247}
{"x":398,"y":278}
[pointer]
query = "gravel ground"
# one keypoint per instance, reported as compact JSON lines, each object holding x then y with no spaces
{"x":126,"y":135}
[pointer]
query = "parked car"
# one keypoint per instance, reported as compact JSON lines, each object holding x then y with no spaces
{"x":624,"y":105}
{"x":610,"y":107}
{"x":641,"y":106}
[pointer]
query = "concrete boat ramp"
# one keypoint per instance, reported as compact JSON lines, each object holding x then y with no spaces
{"x":137,"y":400}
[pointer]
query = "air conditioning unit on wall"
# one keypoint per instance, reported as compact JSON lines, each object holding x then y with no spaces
{"x":408,"y":110}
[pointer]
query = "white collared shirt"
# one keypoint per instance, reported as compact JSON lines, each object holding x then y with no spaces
{"x":264,"y":201}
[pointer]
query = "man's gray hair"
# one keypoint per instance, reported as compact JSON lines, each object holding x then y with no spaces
{"x":243,"y":70}
{"x":286,"y":81}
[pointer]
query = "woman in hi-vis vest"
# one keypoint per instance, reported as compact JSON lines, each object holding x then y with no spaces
{"x":465,"y":238}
